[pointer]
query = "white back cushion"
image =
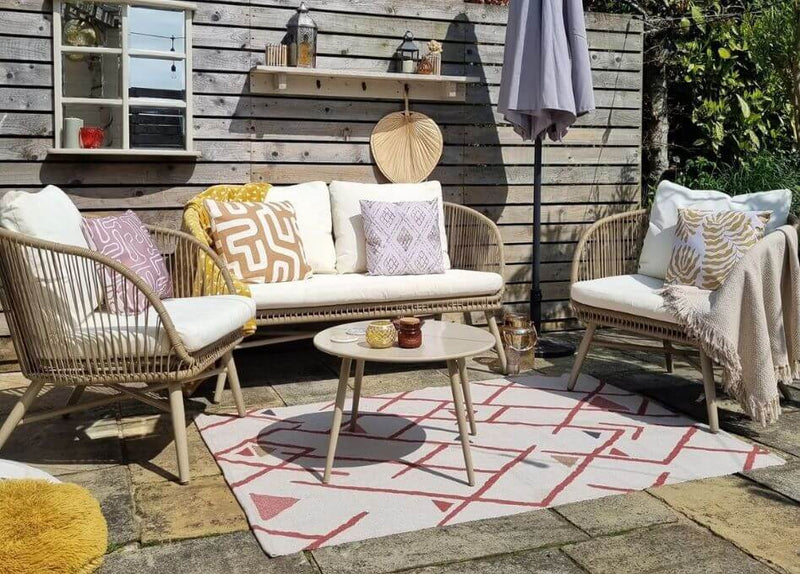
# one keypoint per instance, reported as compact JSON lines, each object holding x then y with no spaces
{"x":348,"y":227}
{"x":670,"y":197}
{"x":50,"y":215}
{"x":312,"y":205}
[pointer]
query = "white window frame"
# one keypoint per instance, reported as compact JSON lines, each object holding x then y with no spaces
{"x":124,"y":102}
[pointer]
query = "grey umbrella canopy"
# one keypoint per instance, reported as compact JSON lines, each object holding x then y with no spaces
{"x":546,"y":86}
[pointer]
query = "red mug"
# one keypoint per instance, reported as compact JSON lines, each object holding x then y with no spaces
{"x":91,"y":138}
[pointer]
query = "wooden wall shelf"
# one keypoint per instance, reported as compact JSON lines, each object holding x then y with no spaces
{"x":124,"y":152}
{"x":357,"y":84}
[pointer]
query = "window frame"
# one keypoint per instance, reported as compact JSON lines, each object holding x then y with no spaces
{"x":124,"y":102}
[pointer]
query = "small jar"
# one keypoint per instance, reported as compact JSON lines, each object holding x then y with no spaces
{"x":409,"y":332}
{"x":380,"y":334}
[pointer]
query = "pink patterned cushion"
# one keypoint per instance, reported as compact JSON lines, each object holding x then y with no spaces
{"x":124,"y":238}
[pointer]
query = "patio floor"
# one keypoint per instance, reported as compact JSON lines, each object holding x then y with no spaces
{"x":124,"y":455}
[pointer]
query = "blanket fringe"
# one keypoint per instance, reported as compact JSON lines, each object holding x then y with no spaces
{"x":722,"y":351}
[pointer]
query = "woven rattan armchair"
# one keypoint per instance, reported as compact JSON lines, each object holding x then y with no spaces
{"x":50,"y":293}
{"x":474,"y":243}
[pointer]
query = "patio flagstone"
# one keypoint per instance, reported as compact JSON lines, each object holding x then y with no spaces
{"x":539,"y":561}
{"x":784,"y":479}
{"x":758,"y":520}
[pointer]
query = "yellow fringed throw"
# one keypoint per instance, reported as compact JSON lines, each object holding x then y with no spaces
{"x":50,"y":528}
{"x":197,"y":222}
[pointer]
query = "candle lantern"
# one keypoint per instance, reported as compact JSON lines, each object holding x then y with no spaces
{"x":301,"y":38}
{"x":407,"y":54}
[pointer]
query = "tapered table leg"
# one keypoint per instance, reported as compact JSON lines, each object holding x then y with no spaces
{"x":462,"y":373}
{"x":356,"y":393}
{"x":341,"y":394}
{"x":458,"y":403}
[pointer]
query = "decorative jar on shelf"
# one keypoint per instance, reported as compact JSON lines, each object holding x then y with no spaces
{"x":91,"y":137}
{"x":381,"y":334}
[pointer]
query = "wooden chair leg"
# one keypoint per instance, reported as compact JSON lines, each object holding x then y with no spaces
{"x":356,"y":393}
{"x":710,"y":391}
{"x":668,"y":356}
{"x":583,"y":349}
{"x":221,"y":377}
{"x":462,"y":374}
{"x":341,"y":394}
{"x":501,"y":352}
{"x":233,"y":379}
{"x":179,"y":430}
{"x":18,"y":411}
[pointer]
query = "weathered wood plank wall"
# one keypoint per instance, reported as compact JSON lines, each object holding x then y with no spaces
{"x":282,"y":140}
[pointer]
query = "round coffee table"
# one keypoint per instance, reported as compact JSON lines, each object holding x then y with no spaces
{"x":452,"y":343}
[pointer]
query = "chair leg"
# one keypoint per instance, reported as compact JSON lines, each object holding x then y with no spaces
{"x":668,"y":356}
{"x":233,"y":379}
{"x":74,"y":397}
{"x":710,"y":391}
{"x":356,"y":393}
{"x":221,"y":377}
{"x":501,"y":352}
{"x":583,"y":349}
{"x":16,"y":414}
{"x":179,"y":430}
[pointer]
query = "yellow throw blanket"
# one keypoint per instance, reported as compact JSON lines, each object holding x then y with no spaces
{"x":197,"y":222}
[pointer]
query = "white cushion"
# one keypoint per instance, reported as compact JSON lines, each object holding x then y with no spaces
{"x":312,"y":205}
{"x":199,"y":321}
{"x":348,"y":227}
{"x":10,"y":469}
{"x":670,"y":197}
{"x":633,"y":294}
{"x":50,"y":215}
{"x":356,"y":288}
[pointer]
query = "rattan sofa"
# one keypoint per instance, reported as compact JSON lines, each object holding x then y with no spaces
{"x":63,"y":339}
{"x":611,"y":248}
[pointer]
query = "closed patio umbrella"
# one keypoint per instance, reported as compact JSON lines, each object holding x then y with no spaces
{"x":546,"y":85}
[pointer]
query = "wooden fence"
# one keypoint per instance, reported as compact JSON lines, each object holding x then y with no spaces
{"x":284,"y":140}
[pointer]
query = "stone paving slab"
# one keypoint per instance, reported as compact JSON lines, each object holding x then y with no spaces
{"x":669,"y":549}
{"x":169,"y":511}
{"x":758,"y":520}
{"x":551,"y":561}
{"x":237,"y":553}
{"x":613,"y":514}
{"x":112,"y":488}
{"x":784,"y":479}
{"x":526,"y":531}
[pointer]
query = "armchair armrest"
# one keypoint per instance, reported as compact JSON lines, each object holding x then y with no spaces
{"x":186,"y":258}
{"x":611,"y":246}
{"x":474,"y":241}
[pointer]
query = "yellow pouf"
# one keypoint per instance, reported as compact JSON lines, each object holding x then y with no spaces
{"x":49,"y":528}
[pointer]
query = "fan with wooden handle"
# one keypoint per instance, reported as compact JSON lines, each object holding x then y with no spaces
{"x":406,"y":145}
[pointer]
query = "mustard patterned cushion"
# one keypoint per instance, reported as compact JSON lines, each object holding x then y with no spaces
{"x":709,"y":243}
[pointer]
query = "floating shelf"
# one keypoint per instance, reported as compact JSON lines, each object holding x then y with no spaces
{"x":124,"y":152}
{"x":357,"y":83}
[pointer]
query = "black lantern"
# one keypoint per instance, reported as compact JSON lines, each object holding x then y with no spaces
{"x":301,"y":37}
{"x":407,"y":54}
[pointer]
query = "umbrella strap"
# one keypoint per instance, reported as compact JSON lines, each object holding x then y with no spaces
{"x":405,"y":98}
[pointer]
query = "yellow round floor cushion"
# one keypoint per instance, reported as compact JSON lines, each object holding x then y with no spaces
{"x":50,"y":528}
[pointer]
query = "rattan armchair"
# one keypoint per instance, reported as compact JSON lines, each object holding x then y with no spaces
{"x":51,"y":293}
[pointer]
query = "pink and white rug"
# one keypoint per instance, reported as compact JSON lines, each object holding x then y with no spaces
{"x":538,"y":445}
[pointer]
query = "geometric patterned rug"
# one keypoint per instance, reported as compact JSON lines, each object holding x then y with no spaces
{"x":538,"y":445}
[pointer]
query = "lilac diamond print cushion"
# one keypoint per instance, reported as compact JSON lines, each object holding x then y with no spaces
{"x":402,"y":238}
{"x":125,"y":239}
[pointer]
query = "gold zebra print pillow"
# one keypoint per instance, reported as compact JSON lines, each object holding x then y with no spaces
{"x":709,"y":243}
{"x":259,"y":242}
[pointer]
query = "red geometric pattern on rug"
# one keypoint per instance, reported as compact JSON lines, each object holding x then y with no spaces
{"x":538,"y":445}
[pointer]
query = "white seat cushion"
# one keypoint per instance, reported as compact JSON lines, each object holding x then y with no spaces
{"x":199,"y":321}
{"x":633,"y":294}
{"x":348,"y":226}
{"x":670,"y":197}
{"x":355,"y":288}
{"x":312,"y":206}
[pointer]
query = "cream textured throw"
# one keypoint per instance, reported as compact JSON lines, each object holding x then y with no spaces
{"x":750,"y":325}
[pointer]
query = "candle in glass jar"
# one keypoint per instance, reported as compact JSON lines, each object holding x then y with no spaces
{"x":408,"y":66}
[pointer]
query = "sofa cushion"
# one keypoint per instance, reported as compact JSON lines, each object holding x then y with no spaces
{"x":312,"y":204}
{"x":657,"y":248}
{"x":199,"y":321}
{"x":348,"y":227}
{"x":632,"y":294}
{"x":359,"y":288}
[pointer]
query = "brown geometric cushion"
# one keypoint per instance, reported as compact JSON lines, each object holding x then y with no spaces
{"x":259,"y":242}
{"x":709,"y":243}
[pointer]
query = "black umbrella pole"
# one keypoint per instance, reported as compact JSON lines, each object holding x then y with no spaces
{"x":546,"y":348}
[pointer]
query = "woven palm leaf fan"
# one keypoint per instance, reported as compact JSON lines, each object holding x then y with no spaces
{"x":406,"y":146}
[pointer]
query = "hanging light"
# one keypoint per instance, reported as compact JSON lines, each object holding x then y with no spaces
{"x":173,"y":68}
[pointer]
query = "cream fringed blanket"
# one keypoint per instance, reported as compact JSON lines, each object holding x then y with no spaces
{"x":750,"y":325}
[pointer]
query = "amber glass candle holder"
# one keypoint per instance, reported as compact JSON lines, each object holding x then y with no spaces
{"x":409,"y":332}
{"x":381,"y":334}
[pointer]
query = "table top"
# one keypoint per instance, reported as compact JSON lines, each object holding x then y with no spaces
{"x":441,"y":341}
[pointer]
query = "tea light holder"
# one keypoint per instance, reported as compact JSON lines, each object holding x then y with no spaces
{"x":519,"y":340}
{"x":381,"y":334}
